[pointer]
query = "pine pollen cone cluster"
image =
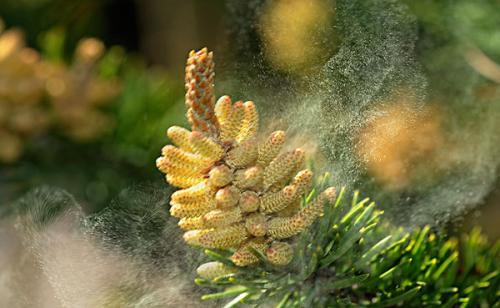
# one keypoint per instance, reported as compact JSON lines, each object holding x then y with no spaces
{"x":236,"y":193}
{"x":38,"y":94}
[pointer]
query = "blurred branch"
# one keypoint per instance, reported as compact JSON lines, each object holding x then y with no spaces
{"x":483,"y":64}
{"x":170,"y":28}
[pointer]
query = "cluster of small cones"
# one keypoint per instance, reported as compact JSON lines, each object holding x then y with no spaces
{"x":237,"y":193}
{"x":21,"y":113}
{"x":75,"y":94}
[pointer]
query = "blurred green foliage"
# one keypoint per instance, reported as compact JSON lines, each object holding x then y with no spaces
{"x":78,"y":18}
{"x":150,"y":103}
{"x":114,"y":21}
